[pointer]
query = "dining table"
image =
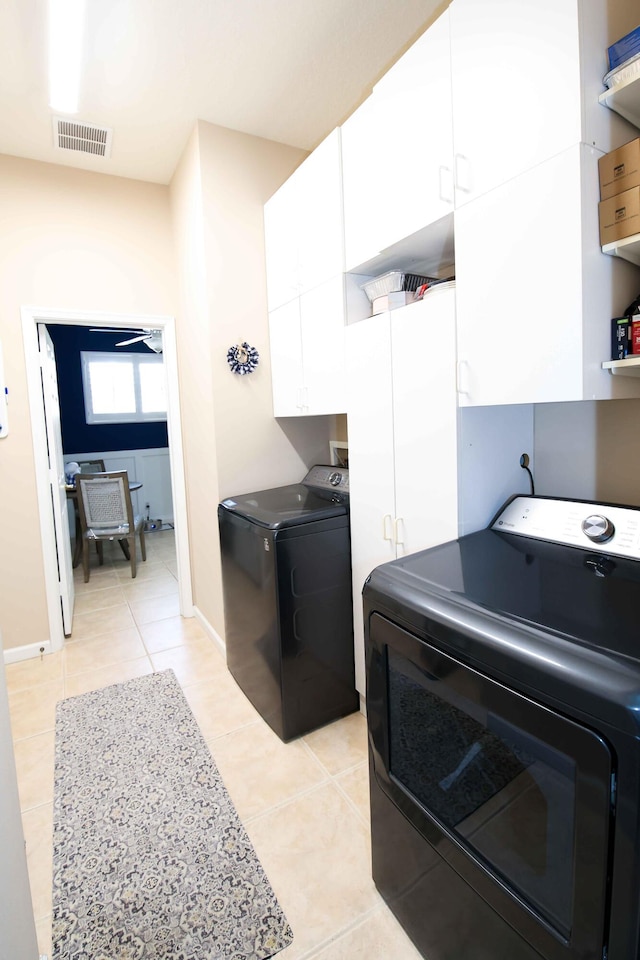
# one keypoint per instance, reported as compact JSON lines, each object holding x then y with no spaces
{"x":72,"y":494}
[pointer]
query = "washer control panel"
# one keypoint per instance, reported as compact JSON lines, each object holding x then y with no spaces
{"x":609,"y":528}
{"x":329,"y":481}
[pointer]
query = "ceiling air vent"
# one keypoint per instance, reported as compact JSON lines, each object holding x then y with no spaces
{"x":82,"y":137}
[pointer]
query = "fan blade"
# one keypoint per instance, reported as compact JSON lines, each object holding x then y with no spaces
{"x":117,"y":330}
{"x":125,"y":343}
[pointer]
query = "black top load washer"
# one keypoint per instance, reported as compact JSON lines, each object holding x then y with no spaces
{"x":286,"y":575}
{"x":503,"y":706}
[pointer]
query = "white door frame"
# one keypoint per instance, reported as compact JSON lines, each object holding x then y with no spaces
{"x":31,"y":317}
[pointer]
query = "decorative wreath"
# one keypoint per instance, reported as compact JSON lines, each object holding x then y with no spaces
{"x":242,"y":358}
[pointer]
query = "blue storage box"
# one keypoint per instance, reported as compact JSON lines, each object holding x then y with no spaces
{"x":622,"y":50}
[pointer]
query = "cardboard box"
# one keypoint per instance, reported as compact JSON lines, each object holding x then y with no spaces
{"x":620,"y":338}
{"x":390,"y":301}
{"x":620,"y":169}
{"x":623,"y":49}
{"x":619,"y":216}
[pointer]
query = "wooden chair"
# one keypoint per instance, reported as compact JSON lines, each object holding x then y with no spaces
{"x":106,"y":513}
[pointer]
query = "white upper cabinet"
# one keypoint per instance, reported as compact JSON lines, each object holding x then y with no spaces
{"x":506,"y":58}
{"x":534,"y":293}
{"x":304,"y":236}
{"x":397,"y":151}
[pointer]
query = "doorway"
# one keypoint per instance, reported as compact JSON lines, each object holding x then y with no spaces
{"x":31,"y":319}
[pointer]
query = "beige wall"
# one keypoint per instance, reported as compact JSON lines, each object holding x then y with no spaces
{"x":68,"y":239}
{"x":232,"y":442}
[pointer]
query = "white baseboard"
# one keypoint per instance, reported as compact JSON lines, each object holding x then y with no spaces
{"x":29,"y":652}
{"x":206,"y":626}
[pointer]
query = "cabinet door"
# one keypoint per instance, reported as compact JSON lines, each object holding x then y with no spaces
{"x":286,"y":360}
{"x":322,"y":319}
{"x":281,"y":234}
{"x":519,"y":288}
{"x":414,"y":138}
{"x":362,"y":185}
{"x":371,"y":470}
{"x":397,"y":151}
{"x":516,"y":87}
{"x":425,"y":410}
{"x":321,"y":233}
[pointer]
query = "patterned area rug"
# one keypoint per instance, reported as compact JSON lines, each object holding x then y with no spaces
{"x":150,"y":859}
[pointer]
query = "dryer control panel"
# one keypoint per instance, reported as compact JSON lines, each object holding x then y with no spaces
{"x":329,"y":481}
{"x":599,"y":527}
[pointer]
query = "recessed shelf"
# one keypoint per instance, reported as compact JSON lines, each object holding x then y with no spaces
{"x":624,"y":98}
{"x":627,"y":249}
{"x":630,"y":367}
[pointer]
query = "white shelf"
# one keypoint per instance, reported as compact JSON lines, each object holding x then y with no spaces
{"x":627,"y":249}
{"x":624,"y":98}
{"x":626,"y":368}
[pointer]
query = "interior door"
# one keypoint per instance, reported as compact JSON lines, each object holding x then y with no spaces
{"x":56,"y":475}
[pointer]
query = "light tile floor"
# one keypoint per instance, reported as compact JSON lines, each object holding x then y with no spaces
{"x":304,"y":804}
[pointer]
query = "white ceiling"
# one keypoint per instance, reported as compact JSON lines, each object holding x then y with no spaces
{"x":287,"y":70}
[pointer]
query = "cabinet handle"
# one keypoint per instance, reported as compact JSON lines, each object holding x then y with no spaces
{"x":462,"y":172}
{"x":299,"y":398}
{"x":462,"y":377}
{"x":305,"y":398}
{"x":445,"y":175}
{"x":399,"y":531}
{"x":387,"y":527}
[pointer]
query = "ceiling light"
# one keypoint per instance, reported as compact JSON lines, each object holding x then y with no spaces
{"x":66,"y":26}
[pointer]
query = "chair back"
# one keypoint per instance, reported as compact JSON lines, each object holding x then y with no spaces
{"x":91,"y":466}
{"x":104,"y":503}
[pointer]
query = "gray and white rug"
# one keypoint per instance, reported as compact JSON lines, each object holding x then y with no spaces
{"x":150,"y":860}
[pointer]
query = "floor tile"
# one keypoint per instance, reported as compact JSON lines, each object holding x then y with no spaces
{"x":31,"y":673}
{"x":355,"y":784}
{"x":316,"y":855}
{"x":99,"y":578}
{"x":378,"y":937}
{"x":99,"y":622}
{"x":156,"y":608}
{"x":38,"y":835}
{"x":34,"y":767}
{"x":260,"y":771}
{"x":105,"y":676}
{"x":161,"y":586}
{"x":110,"y":596}
{"x":173,"y":632}
{"x":34,"y":711}
{"x":219,"y":705}
{"x":101,"y":651}
{"x":145,"y":570}
{"x":43,"y":933}
{"x":192,"y":662}
{"x":341,"y":744}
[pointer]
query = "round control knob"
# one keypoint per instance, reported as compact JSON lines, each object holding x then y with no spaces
{"x":335,"y":479}
{"x":598,"y":528}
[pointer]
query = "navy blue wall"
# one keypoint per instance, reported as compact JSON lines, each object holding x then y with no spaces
{"x":77,"y":435}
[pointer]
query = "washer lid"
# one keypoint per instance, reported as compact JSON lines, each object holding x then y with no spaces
{"x":584,"y":596}
{"x":283,"y":506}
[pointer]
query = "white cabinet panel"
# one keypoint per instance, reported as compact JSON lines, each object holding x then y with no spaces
{"x":307,"y":352}
{"x":520,"y":292}
{"x":286,"y":359}
{"x":322,"y":332}
{"x":425,"y":422}
{"x":402,"y":438}
{"x":303,"y":226}
{"x":397,"y":151}
{"x":507,"y":57}
{"x":371,"y":463}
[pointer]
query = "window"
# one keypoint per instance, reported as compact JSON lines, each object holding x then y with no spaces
{"x":123,"y":387}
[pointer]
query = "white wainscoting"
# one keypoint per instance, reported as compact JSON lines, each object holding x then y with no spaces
{"x":150,"y":467}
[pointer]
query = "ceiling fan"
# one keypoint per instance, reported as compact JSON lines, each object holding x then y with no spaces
{"x":150,"y":337}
